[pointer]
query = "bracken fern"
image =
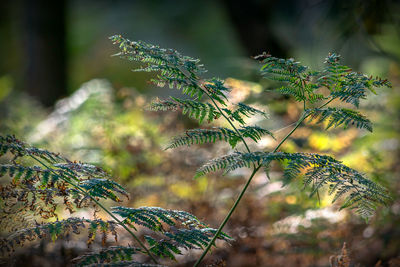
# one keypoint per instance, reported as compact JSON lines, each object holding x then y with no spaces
{"x":58,"y":181}
{"x":314,"y":89}
{"x":38,"y":189}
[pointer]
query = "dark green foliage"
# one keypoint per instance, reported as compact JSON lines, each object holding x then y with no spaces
{"x":280,"y":67}
{"x":125,"y":264}
{"x":318,"y":170}
{"x":154,"y":217}
{"x":194,"y":109}
{"x":109,"y":255}
{"x":340,"y":116}
{"x":35,"y":189}
{"x":58,"y":229}
{"x":59,"y":173}
{"x":176,"y":70}
{"x":19,"y":149}
{"x":340,"y":80}
{"x":305,"y":86}
{"x":172,"y":231}
{"x":200,"y":136}
{"x":346,"y":85}
{"x":177,"y":239}
{"x":243,"y":110}
{"x":103,"y":188}
{"x":294,"y":75}
{"x":192,"y":234}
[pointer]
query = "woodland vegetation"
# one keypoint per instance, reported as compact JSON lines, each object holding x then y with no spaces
{"x":38,"y":190}
{"x":288,"y":158}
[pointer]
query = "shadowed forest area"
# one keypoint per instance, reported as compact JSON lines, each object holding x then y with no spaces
{"x":61,"y":90}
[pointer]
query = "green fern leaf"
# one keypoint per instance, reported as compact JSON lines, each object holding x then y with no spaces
{"x":103,"y":188}
{"x":125,"y":264}
{"x":154,"y":217}
{"x":111,"y":254}
{"x":346,"y":85}
{"x":279,"y":67}
{"x":194,"y":109}
{"x":19,"y":149}
{"x":340,"y":116}
{"x":56,"y":230}
{"x":201,"y":136}
{"x":323,"y":170}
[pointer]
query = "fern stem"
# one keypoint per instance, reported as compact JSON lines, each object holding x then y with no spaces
{"x":101,"y":206}
{"x":326,"y":103}
{"x":228,"y":216}
{"x":302,"y":118}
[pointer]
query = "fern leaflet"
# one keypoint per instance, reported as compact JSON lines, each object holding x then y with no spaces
{"x":201,"y":136}
{"x":361,"y":193}
{"x":340,"y":116}
{"x":194,"y":109}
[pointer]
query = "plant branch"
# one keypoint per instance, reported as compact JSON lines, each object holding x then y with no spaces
{"x":302,"y":118}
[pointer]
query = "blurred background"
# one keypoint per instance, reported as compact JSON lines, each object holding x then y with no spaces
{"x":61,"y":89}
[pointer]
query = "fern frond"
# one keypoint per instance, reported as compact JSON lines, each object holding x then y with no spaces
{"x":78,"y":169}
{"x":323,"y":170}
{"x":103,"y":188}
{"x":27,"y":199}
{"x":194,"y":109}
{"x":201,"y":136}
{"x":57,"y":230}
{"x":125,"y":264}
{"x":153,"y":54}
{"x":194,"y":233}
{"x":113,"y":254}
{"x":162,"y":247}
{"x":194,"y":238}
{"x":230,"y":162}
{"x":249,"y":111}
{"x":340,"y":116}
{"x":188,"y":87}
{"x":178,"y":239}
{"x":174,"y":67}
{"x":153,"y":218}
{"x":96,"y":187}
{"x":19,"y":149}
{"x":28,"y":174}
{"x":254,"y":132}
{"x":243,"y":110}
{"x":279,"y":67}
{"x":215,"y":87}
{"x":346,"y":85}
{"x":295,"y":91}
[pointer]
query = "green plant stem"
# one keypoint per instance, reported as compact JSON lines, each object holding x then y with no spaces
{"x":104,"y":208}
{"x":326,"y":103}
{"x":228,"y":216}
{"x":302,"y":118}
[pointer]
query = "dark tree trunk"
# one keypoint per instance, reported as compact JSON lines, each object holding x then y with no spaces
{"x":44,"y":50}
{"x":251,"y":21}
